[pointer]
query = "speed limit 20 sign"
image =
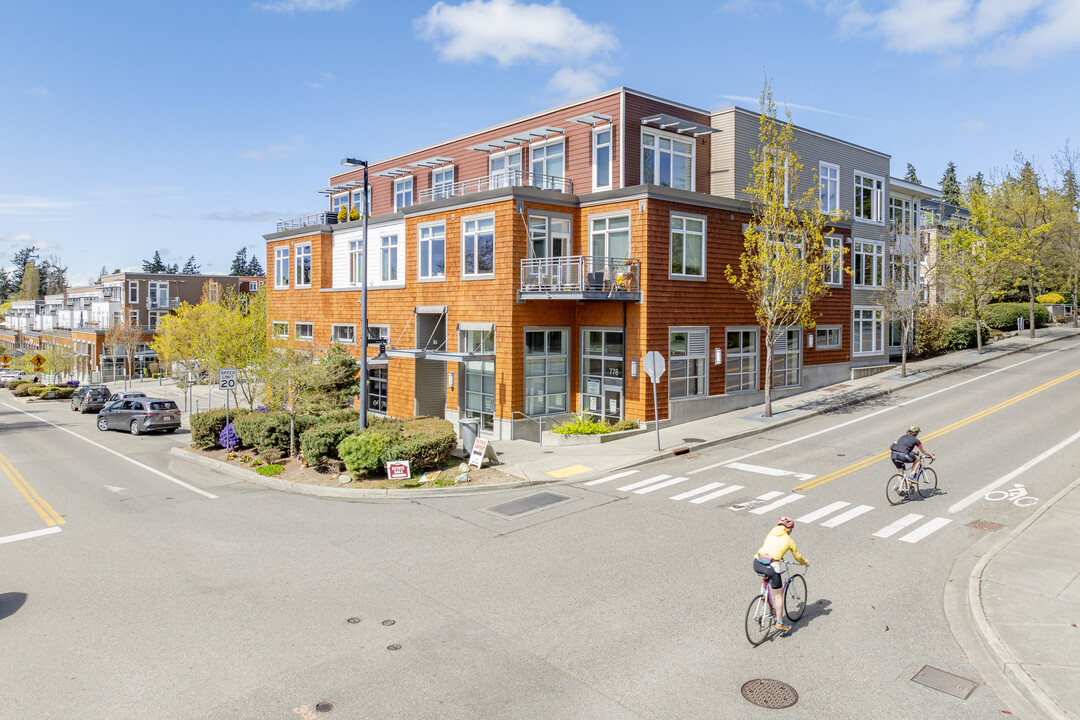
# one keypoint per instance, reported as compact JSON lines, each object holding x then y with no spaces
{"x":227,"y":378}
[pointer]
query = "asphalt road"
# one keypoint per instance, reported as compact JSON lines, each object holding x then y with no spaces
{"x":164,"y":590}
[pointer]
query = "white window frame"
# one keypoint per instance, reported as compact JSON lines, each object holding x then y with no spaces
{"x":596,"y":163}
{"x":153,"y":317}
{"x":909,"y":281}
{"x":754,"y":375}
{"x":337,"y":201}
{"x":359,"y":194}
{"x":684,"y":231}
{"x":509,"y":174}
{"x":783,"y":350}
{"x":356,"y":263}
{"x":877,"y":319}
{"x":423,"y":250}
{"x":403,"y":193}
{"x":388,"y":251}
{"x":298,"y":256}
{"x":482,"y":369}
{"x":606,"y":232}
{"x":772,"y":157}
{"x":296,"y":331}
{"x":442,"y":188}
{"x":280,"y":329}
{"x":157,"y":293}
{"x":698,"y":337}
{"x":658,"y":134}
{"x":475,"y":233}
{"x":547,"y":376}
{"x":828,"y":337}
{"x":833,"y":260}
{"x":347,"y":340}
{"x":829,"y":186}
{"x":282,"y":267}
{"x":535,"y":176}
{"x":877,"y":197}
{"x":133,"y":292}
{"x":877,"y":262}
{"x":549,"y":234}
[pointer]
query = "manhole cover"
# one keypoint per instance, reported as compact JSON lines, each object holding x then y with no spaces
{"x":353,"y":621}
{"x":946,"y":682}
{"x":395,"y":646}
{"x":770,"y":694}
{"x":387,"y":623}
{"x":324,"y":707}
{"x":985,"y":525}
{"x":528,"y":504}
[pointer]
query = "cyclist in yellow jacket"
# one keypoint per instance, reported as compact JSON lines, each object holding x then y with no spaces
{"x":777,"y":544}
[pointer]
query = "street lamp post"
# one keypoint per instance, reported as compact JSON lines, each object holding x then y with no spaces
{"x":363,"y":294}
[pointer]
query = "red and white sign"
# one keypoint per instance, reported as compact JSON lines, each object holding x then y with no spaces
{"x":479,"y":450}
{"x":398,"y":470}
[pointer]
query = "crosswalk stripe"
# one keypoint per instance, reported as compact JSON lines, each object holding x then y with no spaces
{"x":768,"y":471}
{"x":714,"y":495}
{"x":844,"y":517}
{"x":895,"y":527}
{"x":773,"y":505}
{"x":609,"y":478}
{"x":657,"y":486}
{"x":818,"y":514}
{"x":934,"y":525}
{"x":697,"y":491}
{"x":643,"y":483}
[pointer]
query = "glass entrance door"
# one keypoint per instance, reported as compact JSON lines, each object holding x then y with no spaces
{"x":602,"y":374}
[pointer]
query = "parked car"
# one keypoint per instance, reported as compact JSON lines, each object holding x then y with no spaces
{"x":13,"y":375}
{"x":89,"y":398}
{"x":125,"y":395}
{"x":140,"y":415}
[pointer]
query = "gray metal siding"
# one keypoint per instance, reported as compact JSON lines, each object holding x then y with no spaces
{"x":430,"y":388}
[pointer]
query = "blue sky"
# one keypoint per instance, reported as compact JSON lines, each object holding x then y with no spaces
{"x":189,"y":128}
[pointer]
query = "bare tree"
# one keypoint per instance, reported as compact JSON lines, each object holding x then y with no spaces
{"x":125,"y":335}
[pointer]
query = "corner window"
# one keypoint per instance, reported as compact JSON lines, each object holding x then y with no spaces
{"x":345,"y":334}
{"x":547,"y":165}
{"x":829,"y":184}
{"x":867,"y":263}
{"x":787,"y":358}
{"x":303,"y":266}
{"x":828,"y":337}
{"x":687,"y":246}
{"x":305,"y":331}
{"x":833,"y":260}
{"x":389,"y":257}
{"x":601,"y":158}
{"x":688,"y":350}
{"x":403,"y":193}
{"x":281,"y":330}
{"x":431,"y":251}
{"x":478,"y":246}
{"x":667,"y":160}
{"x":356,"y":263}
{"x":281,"y":267}
{"x":442,"y":183}
{"x":866,"y":331}
{"x":547,"y":371}
{"x":869,"y":192}
{"x":741,"y":363}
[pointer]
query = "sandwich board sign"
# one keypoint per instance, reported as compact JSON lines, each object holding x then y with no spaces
{"x":481,"y":449}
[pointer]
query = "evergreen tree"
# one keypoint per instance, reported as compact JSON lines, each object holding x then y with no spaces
{"x":1070,"y":189}
{"x":155,"y":264}
{"x":240,"y":262}
{"x":190,"y":268}
{"x":979,"y":182}
{"x":950,"y":187}
{"x":911,"y":176}
{"x":5,"y":284}
{"x":255,"y":268}
{"x":53,"y":276}
{"x":30,"y":287}
{"x":173,"y":269}
{"x":19,"y":261}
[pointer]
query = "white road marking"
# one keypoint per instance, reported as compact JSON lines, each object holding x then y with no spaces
{"x":120,"y":455}
{"x":773,"y":505}
{"x":28,"y":535}
{"x":643,"y":483}
{"x":658,"y":486}
{"x":818,"y":514}
{"x":115,"y":489}
{"x":844,"y":517}
{"x":916,"y":535}
{"x":760,"y":498}
{"x":714,"y":495}
{"x":609,"y":478}
{"x":768,"y":471}
{"x":973,"y":497}
{"x":895,"y":527}
{"x":698,"y":491}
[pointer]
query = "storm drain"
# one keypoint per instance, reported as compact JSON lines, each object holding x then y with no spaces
{"x":946,"y":682}
{"x":985,"y":525}
{"x":528,"y":504}
{"x":771,"y":694}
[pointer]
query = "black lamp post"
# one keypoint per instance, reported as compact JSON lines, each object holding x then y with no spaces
{"x":363,"y":295}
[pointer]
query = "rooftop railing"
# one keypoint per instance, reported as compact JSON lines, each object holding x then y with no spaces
{"x":320,"y":218}
{"x":503,"y":179}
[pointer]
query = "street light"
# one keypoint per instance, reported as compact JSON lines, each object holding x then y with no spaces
{"x":350,"y":162}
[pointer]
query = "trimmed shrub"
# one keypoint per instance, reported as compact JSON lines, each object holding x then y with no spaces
{"x":269,"y":470}
{"x":320,"y":443}
{"x":206,"y":427}
{"x":582,"y":425}
{"x":1002,"y":316}
{"x":269,"y":431}
{"x":960,"y":335}
{"x":65,"y":393}
{"x":334,"y":417}
{"x":624,"y":425}
{"x":425,"y":442}
{"x":38,"y":390}
{"x":365,"y":452}
{"x":23,"y":389}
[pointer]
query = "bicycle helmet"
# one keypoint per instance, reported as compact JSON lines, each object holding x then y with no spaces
{"x":786,"y":522}
{"x":914,"y":429}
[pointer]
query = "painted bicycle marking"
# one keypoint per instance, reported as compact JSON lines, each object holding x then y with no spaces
{"x":1018,"y":496}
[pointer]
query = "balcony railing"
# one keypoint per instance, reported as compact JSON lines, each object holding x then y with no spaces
{"x":320,"y":218}
{"x":169,"y":303}
{"x":507,"y":178}
{"x":585,"y":276}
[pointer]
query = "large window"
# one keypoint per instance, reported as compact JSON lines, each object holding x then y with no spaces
{"x":902,"y":216}
{"x":358,"y":203}
{"x":305,"y":331}
{"x":868,"y":263}
{"x":281,"y":267}
{"x":479,"y":377}
{"x":687,"y":246}
{"x":833,"y":251}
{"x":688,"y":351}
{"x":602,"y":158}
{"x":741,"y":363}
{"x":547,"y":165}
{"x":478,"y":246}
{"x":158,"y":294}
{"x":442,"y":183}
{"x":866,"y":331}
{"x":339,"y":201}
{"x":505,"y":169}
{"x":356,"y":263}
{"x":548,"y":236}
{"x":402,"y":193}
{"x":829,"y":184}
{"x":787,"y":358}
{"x":547,"y":367}
{"x":389,"y":257}
{"x":153,"y":317}
{"x":901,"y":272}
{"x":345,"y":334}
{"x":303,"y":266}
{"x":610,"y":237}
{"x":667,"y":161}
{"x":431,"y":250}
{"x":869,"y":191}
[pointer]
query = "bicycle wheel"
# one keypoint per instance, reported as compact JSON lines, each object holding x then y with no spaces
{"x":795,"y":597}
{"x":758,"y":620}
{"x":892,"y":490}
{"x":927,"y":482}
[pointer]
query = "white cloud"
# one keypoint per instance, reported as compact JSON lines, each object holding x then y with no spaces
{"x":291,"y":6}
{"x":20,"y":239}
{"x":243,"y":217}
{"x":754,"y":103}
{"x":569,"y":82}
{"x":28,"y":205}
{"x":276,"y":151}
{"x":324,"y":79}
{"x":1058,"y":33}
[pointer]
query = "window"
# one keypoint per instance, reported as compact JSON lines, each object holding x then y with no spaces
{"x":281,"y":330}
{"x":158,"y":294}
{"x":547,"y":368}
{"x":548,"y":236}
{"x":776,"y":173}
{"x":610,"y":237}
{"x":358,"y":200}
{"x":442,"y":183}
{"x":133,"y":317}
{"x":866,"y":331}
{"x":478,"y":246}
{"x":547,"y":165}
{"x":378,"y":333}
{"x":828,"y":337}
{"x":687,"y":246}
{"x":833,"y":251}
{"x":667,"y":160}
{"x":688,"y":351}
{"x":741,"y":364}
{"x":867,"y":263}
{"x":339,"y":201}
{"x":402,"y":193}
{"x":505,"y":169}
{"x":153,"y":316}
{"x":787,"y":358}
{"x":829,"y":183}
{"x":601,"y":158}
{"x":602,"y":373}
{"x":213,"y":291}
{"x":868,"y":196}
{"x":432,"y":251}
{"x":389,"y":257}
{"x":133,"y":292}
{"x":356,"y":263}
{"x":378,"y":388}
{"x":303,"y":266}
{"x":902,"y":216}
{"x":305,"y":331}
{"x":901,"y":272}
{"x":343,"y":334}
{"x":281,"y":267}
{"x":479,"y":377}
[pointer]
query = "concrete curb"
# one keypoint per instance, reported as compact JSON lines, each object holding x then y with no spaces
{"x":341,"y":492}
{"x":997,"y":649}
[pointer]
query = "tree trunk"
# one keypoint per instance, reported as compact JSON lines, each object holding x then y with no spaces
{"x":292,"y":433}
{"x":978,"y":330}
{"x":768,"y":379}
{"x":1074,"y":294}
{"x":903,"y":346}
{"x":1031,"y":307}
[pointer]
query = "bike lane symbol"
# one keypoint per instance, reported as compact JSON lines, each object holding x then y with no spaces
{"x":1018,"y":495}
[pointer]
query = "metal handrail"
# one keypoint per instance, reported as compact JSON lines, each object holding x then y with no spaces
{"x":320,"y":218}
{"x":494,"y":181}
{"x":581,"y":273}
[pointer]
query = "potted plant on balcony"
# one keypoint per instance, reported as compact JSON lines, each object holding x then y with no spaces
{"x":343,"y":214}
{"x":354,"y":214}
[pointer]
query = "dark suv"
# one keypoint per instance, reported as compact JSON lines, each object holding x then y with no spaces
{"x":140,"y":415}
{"x":89,"y":398}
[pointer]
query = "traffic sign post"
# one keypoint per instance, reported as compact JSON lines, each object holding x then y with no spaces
{"x":5,"y":360}
{"x":654,"y":367}
{"x":37,"y":361}
{"x":227,"y":382}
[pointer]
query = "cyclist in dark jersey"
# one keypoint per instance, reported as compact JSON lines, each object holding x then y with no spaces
{"x":903,"y":450}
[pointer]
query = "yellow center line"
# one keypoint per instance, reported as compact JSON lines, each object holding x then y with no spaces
{"x":43,"y":508}
{"x":937,"y":433}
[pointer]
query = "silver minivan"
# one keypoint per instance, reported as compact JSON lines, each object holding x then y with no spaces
{"x":140,"y":415}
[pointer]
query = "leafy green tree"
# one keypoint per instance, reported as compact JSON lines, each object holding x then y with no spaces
{"x":950,"y":186}
{"x":182,"y":337}
{"x":238,"y":339}
{"x":190,"y":267}
{"x":1067,"y":224}
{"x":911,"y":176}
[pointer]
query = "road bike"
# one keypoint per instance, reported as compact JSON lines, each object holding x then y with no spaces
{"x":904,"y":485}
{"x":760,"y":616}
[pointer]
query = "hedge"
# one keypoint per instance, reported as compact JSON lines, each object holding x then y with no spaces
{"x":60,"y":393}
{"x":206,"y":427}
{"x":365,"y":452}
{"x":960,"y":335}
{"x":425,"y":442}
{"x":22,"y":389}
{"x":338,"y":416}
{"x":320,"y":443}
{"x":269,"y":431}
{"x":1002,"y":316}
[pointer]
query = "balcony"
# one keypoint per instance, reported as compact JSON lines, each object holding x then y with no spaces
{"x":166,"y":303}
{"x":320,"y":218}
{"x":508,"y":178}
{"x":581,"y":277}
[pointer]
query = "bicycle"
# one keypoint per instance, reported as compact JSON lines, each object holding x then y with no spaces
{"x":760,"y":615}
{"x":903,"y":485}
